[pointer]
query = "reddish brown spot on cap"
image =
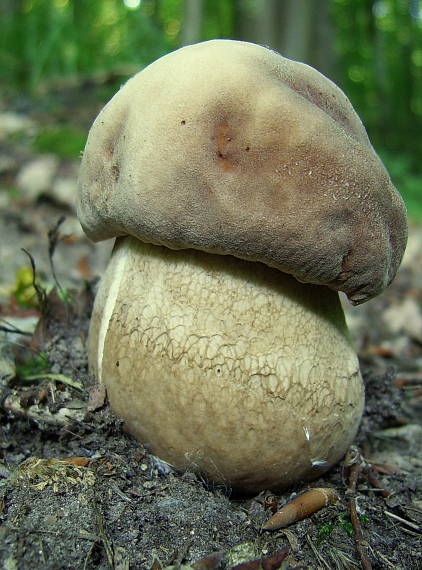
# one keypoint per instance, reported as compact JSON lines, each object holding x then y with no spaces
{"x":222,"y":139}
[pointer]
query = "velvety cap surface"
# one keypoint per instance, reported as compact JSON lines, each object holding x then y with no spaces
{"x":229,"y":148}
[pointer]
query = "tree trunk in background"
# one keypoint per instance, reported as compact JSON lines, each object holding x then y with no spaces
{"x":193,"y":11}
{"x":244,"y":20}
{"x":267,"y":21}
{"x":322,"y":53}
{"x":298,"y":29}
{"x":307,"y":34}
{"x":258,"y":21}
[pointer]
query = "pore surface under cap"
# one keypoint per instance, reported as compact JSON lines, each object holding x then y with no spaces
{"x":229,"y":148}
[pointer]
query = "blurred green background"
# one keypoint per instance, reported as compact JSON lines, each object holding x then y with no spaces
{"x":371,"y":48}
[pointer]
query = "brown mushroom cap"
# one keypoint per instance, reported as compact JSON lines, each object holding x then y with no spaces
{"x":229,"y":148}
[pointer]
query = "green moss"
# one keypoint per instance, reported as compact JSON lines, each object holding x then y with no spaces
{"x":341,"y":522}
{"x":35,"y":365}
{"x":345,"y":524}
{"x":325,"y":530}
{"x":407,"y":177}
{"x":24,"y":290}
{"x":65,"y":141}
{"x":12,"y":191}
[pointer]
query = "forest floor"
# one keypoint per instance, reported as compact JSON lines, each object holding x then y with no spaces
{"x":77,"y":492}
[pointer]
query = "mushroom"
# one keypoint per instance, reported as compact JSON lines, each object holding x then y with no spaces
{"x":244,"y":193}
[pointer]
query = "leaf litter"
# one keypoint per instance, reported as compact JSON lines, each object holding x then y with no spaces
{"x":115,"y":505}
{"x":76,"y":491}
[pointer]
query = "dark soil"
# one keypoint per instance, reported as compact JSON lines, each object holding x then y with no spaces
{"x":121,"y":507}
{"x":77,"y":492}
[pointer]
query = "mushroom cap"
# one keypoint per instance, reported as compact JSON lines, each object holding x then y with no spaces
{"x":227,"y":147}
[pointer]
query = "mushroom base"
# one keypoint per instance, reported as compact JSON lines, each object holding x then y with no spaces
{"x":224,"y":366}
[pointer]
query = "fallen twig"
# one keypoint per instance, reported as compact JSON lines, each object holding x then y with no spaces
{"x":12,"y":329}
{"x":361,"y":544}
{"x":377,"y":484}
{"x":355,"y":461}
{"x":378,"y":554}
{"x":41,"y":293}
{"x":414,"y":526}
{"x":317,"y":555}
{"x":56,"y":378}
{"x":385,"y":469}
{"x":53,"y":239}
{"x":270,"y":502}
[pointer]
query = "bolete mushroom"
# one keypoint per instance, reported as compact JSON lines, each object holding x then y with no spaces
{"x":244,"y":193}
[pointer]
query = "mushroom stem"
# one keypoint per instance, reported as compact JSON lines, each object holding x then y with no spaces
{"x":230,"y":367}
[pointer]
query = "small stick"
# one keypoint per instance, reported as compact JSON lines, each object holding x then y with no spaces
{"x":403,"y":521}
{"x":378,"y":554}
{"x":40,"y":292}
{"x":53,"y":240}
{"x":77,"y":460}
{"x":377,"y":484}
{"x":13,"y":329}
{"x":355,"y":469}
{"x":385,"y":469}
{"x":270,"y":502}
{"x":361,"y":544}
{"x":300,"y":507}
{"x":316,"y":553}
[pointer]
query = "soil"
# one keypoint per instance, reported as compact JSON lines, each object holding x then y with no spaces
{"x":76,"y":491}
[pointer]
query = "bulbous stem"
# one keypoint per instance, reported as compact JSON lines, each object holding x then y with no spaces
{"x":225,"y":366}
